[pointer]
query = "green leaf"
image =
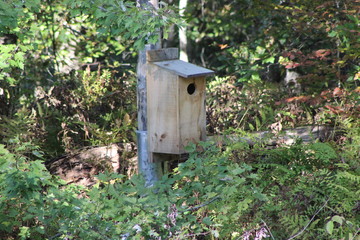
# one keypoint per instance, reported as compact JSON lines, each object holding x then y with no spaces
{"x":255,"y":77}
{"x":330,"y":227}
{"x":237,"y":171}
{"x":19,"y":56}
{"x":190,"y":148}
{"x":253,"y":176}
{"x":40,"y":229}
{"x":337,"y":219}
{"x":3,"y":65}
{"x":211,"y":194}
{"x":13,"y":63}
{"x":269,"y":60}
{"x":207,"y":221}
{"x":332,"y":34}
{"x":24,"y":232}
{"x":11,"y":81}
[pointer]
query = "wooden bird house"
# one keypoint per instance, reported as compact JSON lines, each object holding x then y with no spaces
{"x":175,"y":102}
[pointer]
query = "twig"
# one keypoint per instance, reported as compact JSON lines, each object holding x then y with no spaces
{"x":196,"y":234}
{"x":312,"y":218}
{"x":201,"y":205}
{"x":55,"y":236}
{"x":202,"y":57}
{"x":266,"y":226}
{"x":356,"y":233}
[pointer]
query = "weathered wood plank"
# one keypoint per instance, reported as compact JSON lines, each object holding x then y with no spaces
{"x":192,"y":116}
{"x":162,"y":54}
{"x":184,"y":69}
{"x":163,"y":110}
{"x":141,"y":88}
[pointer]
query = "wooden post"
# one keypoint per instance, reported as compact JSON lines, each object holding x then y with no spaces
{"x":141,"y":88}
{"x":150,"y":170}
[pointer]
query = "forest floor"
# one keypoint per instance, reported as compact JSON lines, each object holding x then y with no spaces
{"x":81,"y":166}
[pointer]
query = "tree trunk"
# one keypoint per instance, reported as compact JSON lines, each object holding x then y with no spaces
{"x":182,"y":33}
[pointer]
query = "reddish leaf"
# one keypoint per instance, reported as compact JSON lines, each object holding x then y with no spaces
{"x":223,"y":46}
{"x":298,"y":99}
{"x":278,"y":103}
{"x":292,"y":56}
{"x":322,"y":53}
{"x":338,"y":92}
{"x":334,"y":109}
{"x":316,"y":100}
{"x":325,"y":93}
{"x":292,"y":65}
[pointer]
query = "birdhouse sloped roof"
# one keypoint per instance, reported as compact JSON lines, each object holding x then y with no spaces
{"x":184,"y":69}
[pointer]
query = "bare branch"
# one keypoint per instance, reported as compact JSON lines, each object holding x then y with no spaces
{"x":356,"y":233}
{"x":266,"y":226}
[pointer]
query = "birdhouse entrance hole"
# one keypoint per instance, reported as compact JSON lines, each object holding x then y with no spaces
{"x":191,"y":88}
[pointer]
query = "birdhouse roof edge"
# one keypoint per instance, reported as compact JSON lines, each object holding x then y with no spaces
{"x":184,"y":69}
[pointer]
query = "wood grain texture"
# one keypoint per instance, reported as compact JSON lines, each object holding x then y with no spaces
{"x":162,"y":54}
{"x":141,"y":88}
{"x":192,"y":115}
{"x":163,"y":113}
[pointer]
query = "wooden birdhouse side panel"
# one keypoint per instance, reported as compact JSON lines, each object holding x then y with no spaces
{"x":192,"y":110}
{"x":163,"y":110}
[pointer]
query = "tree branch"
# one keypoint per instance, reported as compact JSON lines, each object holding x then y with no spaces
{"x":201,"y":205}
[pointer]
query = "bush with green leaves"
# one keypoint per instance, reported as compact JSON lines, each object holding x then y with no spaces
{"x":207,"y":195}
{"x":306,"y":187}
{"x":231,"y":192}
{"x":233,"y":106}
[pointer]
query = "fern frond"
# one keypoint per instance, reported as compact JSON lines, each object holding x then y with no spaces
{"x":349,"y":176}
{"x":343,"y":189}
{"x":293,"y":223}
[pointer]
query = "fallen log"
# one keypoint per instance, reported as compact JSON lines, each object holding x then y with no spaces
{"x":307,"y":134}
{"x":80,"y":167}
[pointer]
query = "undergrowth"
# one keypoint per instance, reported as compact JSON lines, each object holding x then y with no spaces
{"x":232,"y":192}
